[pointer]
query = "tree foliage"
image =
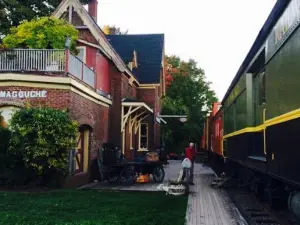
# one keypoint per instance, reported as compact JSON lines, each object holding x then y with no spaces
{"x":43,"y":33}
{"x":12,"y":12}
{"x":42,"y":136}
{"x":113,"y":30}
{"x":188,"y":94}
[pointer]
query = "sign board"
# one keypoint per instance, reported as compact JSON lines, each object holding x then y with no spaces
{"x":23,"y":94}
{"x":286,"y":24}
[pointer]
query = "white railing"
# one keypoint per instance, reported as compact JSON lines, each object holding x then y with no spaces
{"x":80,"y":70}
{"x":75,"y":66}
{"x":88,"y":75}
{"x":32,"y":60}
{"x":46,"y":60}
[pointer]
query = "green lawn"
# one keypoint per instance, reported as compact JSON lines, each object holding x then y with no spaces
{"x":90,"y":207}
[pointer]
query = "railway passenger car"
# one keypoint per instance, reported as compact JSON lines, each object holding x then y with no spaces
{"x":216,"y":142}
{"x":261,"y":109}
{"x":212,"y":139}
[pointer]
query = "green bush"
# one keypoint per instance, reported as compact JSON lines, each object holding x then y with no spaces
{"x":4,"y":139}
{"x":4,"y":144}
{"x":42,"y":137}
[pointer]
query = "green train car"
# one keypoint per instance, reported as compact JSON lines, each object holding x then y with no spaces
{"x":261,"y":110}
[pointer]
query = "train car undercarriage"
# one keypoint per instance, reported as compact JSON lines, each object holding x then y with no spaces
{"x":276,"y":192}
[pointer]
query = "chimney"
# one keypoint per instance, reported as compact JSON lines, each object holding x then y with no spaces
{"x":93,"y":4}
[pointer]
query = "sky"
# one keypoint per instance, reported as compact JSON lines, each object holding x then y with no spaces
{"x":217,"y":34}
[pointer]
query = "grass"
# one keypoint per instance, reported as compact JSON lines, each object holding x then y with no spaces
{"x":74,"y":207}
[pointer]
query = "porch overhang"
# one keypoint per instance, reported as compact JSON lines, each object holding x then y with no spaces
{"x":131,"y":103}
{"x":133,"y":112}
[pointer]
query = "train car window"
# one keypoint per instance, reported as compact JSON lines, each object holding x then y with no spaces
{"x":262,"y":88}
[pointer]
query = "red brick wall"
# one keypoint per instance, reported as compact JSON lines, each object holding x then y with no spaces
{"x":55,"y":98}
{"x":120,"y":88}
{"x":151,"y":98}
{"x":96,"y":116}
{"x":85,"y":111}
{"x":147,"y":96}
{"x":115,"y":110}
{"x":128,"y":91}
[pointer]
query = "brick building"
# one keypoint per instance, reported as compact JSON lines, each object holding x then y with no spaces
{"x":112,"y":87}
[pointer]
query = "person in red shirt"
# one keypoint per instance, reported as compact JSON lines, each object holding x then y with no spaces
{"x":190,"y":153}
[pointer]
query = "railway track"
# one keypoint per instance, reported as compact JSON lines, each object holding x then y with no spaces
{"x":257,"y":212}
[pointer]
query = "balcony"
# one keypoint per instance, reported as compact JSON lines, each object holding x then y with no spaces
{"x":46,"y":61}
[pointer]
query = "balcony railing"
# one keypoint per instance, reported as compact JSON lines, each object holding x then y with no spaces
{"x":46,"y":60}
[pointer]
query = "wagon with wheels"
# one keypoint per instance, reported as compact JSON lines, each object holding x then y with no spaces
{"x":115,"y":169}
{"x":128,"y":172}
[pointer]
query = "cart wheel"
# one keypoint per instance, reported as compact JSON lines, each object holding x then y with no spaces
{"x":128,"y":176}
{"x":112,"y":178}
{"x":158,"y":174}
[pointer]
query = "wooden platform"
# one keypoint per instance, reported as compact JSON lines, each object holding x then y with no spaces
{"x":207,"y":205}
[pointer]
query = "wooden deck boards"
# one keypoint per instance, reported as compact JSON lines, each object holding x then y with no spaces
{"x":207,"y":205}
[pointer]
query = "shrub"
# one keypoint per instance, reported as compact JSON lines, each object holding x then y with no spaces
{"x":41,"y":33}
{"x":4,"y":144}
{"x":43,"y":136}
{"x":4,"y":139}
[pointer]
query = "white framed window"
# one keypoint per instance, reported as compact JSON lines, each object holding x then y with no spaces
{"x":82,"y":53}
{"x":143,"y":139}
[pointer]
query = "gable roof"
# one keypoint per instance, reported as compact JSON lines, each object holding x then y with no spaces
{"x":95,"y":30}
{"x":149,"y":50}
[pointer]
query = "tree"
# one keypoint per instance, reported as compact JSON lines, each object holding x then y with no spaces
{"x":113,"y":30}
{"x":188,"y":94}
{"x":168,"y":75}
{"x":12,"y":12}
{"x":46,"y":32}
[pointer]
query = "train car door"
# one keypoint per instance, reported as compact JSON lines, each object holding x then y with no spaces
{"x":259,"y":101}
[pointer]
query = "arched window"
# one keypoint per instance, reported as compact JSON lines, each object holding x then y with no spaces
{"x":6,"y":114}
